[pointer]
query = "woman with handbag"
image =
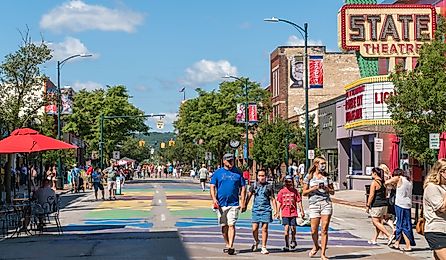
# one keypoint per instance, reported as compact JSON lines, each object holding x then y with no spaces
{"x":434,"y":207}
{"x":403,"y":206}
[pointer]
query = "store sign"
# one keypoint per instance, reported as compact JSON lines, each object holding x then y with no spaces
{"x":316,"y":71}
{"x":386,"y":30}
{"x":434,"y":141}
{"x":368,"y":101}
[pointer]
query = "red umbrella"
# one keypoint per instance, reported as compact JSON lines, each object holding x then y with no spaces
{"x":442,"y":152}
{"x":27,"y":140}
{"x":394,"y":154}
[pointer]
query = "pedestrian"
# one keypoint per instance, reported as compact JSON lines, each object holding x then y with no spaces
{"x":391,"y":193}
{"x":434,"y":207}
{"x":111,"y":183}
{"x":75,"y":175}
{"x":318,"y":188}
{"x":403,"y":206}
{"x":264,"y":208}
{"x":246,"y":176}
{"x":289,"y":200}
{"x":376,"y":204}
{"x":96,"y":177}
{"x":203,"y":174}
{"x":226,"y":185}
{"x":192,"y":173}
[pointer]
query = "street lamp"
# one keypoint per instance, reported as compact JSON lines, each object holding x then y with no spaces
{"x":245,"y":82}
{"x":301,"y":30}
{"x":59,"y":104}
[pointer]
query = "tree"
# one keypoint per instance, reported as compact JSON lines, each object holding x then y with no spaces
{"x":211,"y":116}
{"x":87,"y":110}
{"x":21,"y":89}
{"x":419,"y":107}
{"x":270,"y":143}
{"x":298,"y":153}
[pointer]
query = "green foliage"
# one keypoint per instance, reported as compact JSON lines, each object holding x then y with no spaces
{"x":131,"y":149}
{"x":298,"y":153}
{"x":270,"y":143}
{"x":211,"y":116}
{"x":419,"y":108}
{"x":21,"y":86}
{"x":87,"y":110}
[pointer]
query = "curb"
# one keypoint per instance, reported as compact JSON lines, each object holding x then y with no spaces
{"x":355,"y":204}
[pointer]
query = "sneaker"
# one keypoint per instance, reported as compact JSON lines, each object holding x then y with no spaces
{"x":371,"y":242}
{"x":255,"y":246}
{"x":285,"y":249}
{"x":293,"y":244}
{"x":264,"y":251}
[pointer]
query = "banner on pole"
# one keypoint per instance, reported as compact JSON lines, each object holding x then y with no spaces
{"x":240,"y":116}
{"x":51,"y":97}
{"x":296,"y":72}
{"x":67,"y":94}
{"x":316,"y":71}
{"x":252,"y":113}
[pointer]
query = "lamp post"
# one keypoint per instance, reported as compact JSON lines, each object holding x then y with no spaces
{"x":301,"y":30}
{"x":59,"y":107}
{"x":245,"y":83}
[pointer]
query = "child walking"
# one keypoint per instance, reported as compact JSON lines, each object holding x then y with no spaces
{"x":263,"y":205}
{"x":289,"y":198}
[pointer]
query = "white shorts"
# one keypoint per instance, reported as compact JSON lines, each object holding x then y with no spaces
{"x":319,"y":208}
{"x":111,"y":185}
{"x":227,"y":216}
{"x":378,"y":212}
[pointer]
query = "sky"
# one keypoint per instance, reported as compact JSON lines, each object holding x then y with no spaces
{"x":155,"y":48}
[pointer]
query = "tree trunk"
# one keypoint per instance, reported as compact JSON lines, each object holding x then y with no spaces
{"x":8,"y":179}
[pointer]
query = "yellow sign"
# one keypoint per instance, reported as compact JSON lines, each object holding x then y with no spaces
{"x":386,"y":30}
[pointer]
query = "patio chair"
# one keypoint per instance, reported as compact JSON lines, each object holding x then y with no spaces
{"x":51,"y":210}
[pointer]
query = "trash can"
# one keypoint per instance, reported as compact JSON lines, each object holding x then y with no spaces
{"x":118,"y":185}
{"x":59,"y":183}
{"x":367,"y":193}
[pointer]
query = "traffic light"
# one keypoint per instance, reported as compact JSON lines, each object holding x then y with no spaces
{"x":171,"y":142}
{"x":163,"y":145}
{"x":141,"y":143}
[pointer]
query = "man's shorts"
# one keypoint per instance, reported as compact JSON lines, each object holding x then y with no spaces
{"x":111,"y":185}
{"x":289,"y":221}
{"x":98,"y":186}
{"x":227,"y":216}
{"x":322,"y":207}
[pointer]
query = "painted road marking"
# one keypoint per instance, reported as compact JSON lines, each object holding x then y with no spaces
{"x":160,"y":202}
{"x":170,"y":258}
{"x":163,"y":217}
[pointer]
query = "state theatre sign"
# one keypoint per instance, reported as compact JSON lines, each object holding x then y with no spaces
{"x":386,"y":30}
{"x":366,"y":104}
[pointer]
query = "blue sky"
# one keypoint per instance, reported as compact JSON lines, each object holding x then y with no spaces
{"x":157,"y":47}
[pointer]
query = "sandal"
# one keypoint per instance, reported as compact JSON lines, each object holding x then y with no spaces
{"x":313,"y":252}
{"x":324,"y":258}
{"x":403,"y":249}
{"x":395,"y":247}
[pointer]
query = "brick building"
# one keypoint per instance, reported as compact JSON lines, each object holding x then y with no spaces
{"x":288,"y":98}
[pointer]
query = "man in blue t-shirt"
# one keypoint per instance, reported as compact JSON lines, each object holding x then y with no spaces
{"x":225,"y":188}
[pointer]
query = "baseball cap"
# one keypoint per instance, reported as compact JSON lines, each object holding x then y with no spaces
{"x":228,"y":156}
{"x":288,"y":177}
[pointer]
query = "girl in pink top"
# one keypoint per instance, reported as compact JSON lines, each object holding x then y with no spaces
{"x":289,"y":199}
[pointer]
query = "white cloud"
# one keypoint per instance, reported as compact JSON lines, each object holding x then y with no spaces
{"x":78,"y":16}
{"x":293,"y":40}
{"x":70,"y":46}
{"x":206,"y":71}
{"x":142,"y":88}
{"x":89,"y":85}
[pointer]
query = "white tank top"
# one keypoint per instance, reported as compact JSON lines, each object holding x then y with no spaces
{"x":403,"y":197}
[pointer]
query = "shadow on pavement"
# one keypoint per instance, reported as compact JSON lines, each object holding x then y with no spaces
{"x":120,"y":245}
{"x":69,"y":198}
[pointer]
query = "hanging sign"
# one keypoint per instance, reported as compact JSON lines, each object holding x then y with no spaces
{"x":379,"y":144}
{"x":296,"y":72}
{"x":316,"y":71}
{"x":252,"y":113}
{"x":160,"y":124}
{"x":116,"y":155}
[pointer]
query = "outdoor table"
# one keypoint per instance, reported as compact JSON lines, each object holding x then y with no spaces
{"x":24,"y":212}
{"x":20,"y":200}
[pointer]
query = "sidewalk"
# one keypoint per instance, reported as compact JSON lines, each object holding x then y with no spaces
{"x":24,"y":190}
{"x":353,"y":198}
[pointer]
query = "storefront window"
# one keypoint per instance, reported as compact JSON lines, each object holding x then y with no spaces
{"x":357,"y":155}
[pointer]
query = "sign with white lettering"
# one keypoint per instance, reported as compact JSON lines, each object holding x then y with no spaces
{"x":385,"y":30}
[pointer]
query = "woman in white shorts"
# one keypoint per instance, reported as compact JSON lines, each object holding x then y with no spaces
{"x":318,"y":189}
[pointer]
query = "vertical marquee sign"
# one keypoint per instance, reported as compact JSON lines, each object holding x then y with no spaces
{"x":386,"y":30}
